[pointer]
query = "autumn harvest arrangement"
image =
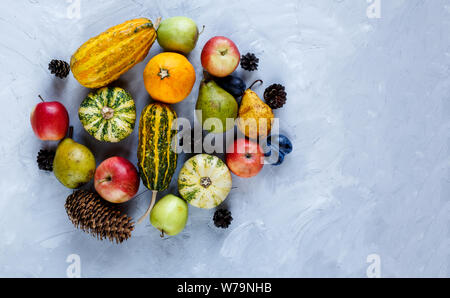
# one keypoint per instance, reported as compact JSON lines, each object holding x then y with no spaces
{"x":109,"y":114}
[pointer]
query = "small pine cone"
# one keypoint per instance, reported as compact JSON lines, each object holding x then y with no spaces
{"x":222,"y":218}
{"x":59,"y":68}
{"x":45,"y":159}
{"x":249,"y":62}
{"x":90,"y":213}
{"x":275,"y":96}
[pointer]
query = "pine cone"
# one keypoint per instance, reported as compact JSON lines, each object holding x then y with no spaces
{"x":59,"y":68}
{"x":222,"y":218}
{"x":249,"y":62}
{"x":275,"y":96}
{"x":45,"y":159}
{"x":89,"y":212}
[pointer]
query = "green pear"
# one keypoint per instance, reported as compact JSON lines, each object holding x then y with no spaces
{"x":74,"y":164}
{"x":214,"y":106}
{"x":169,"y":215}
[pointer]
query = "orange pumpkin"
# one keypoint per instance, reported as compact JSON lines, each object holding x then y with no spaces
{"x":169,"y":77}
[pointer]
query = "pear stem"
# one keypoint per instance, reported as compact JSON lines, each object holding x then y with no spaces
{"x":206,"y":76}
{"x":70,"y":133}
{"x":162,"y":234}
{"x":150,"y":207}
{"x":251,"y":86}
{"x":203,"y":29}
{"x":41,"y":98}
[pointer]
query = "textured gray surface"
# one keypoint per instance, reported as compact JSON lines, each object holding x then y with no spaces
{"x":368,"y":113}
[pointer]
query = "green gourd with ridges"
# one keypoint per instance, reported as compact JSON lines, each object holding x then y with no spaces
{"x":108,"y":114}
{"x":157,"y":159}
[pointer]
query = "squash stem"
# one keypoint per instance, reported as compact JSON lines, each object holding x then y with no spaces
{"x":107,"y":113}
{"x":150,"y":207}
{"x":156,"y":24}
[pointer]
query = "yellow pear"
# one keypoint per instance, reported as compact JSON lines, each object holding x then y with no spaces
{"x":255,"y":117}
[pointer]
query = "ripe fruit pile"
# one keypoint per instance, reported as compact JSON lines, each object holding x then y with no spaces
{"x":109,"y":114}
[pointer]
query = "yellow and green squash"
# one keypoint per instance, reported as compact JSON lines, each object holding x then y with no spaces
{"x":104,"y":58}
{"x":108,"y":114}
{"x":157,"y":159}
{"x":156,"y":153}
{"x":204,"y":181}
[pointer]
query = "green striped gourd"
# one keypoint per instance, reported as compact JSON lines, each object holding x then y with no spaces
{"x":108,"y":114}
{"x":157,"y":159}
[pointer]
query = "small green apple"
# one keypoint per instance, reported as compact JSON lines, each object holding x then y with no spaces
{"x":169,"y":215}
{"x":178,"y":34}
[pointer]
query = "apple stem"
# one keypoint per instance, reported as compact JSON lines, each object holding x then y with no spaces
{"x":150,"y":207}
{"x":104,"y":180}
{"x":41,"y":98}
{"x":162,"y":234}
{"x":257,"y":81}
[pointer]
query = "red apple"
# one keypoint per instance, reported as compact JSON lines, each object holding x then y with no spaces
{"x":116,"y":180}
{"x":220,"y":56}
{"x":245,"y":158}
{"x":49,"y":120}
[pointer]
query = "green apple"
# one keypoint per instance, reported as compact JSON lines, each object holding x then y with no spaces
{"x":169,"y":215}
{"x":178,"y":34}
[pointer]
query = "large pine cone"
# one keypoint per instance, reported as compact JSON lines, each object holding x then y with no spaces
{"x":89,"y":212}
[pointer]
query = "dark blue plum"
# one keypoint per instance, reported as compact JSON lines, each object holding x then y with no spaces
{"x":233,"y":85}
{"x":280,"y":157}
{"x":284,"y":144}
{"x":284,"y":147}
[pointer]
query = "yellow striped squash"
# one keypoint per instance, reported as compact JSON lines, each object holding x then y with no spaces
{"x":104,"y":58}
{"x":157,"y":159}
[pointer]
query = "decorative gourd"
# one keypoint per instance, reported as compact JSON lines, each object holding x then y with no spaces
{"x":104,"y":58}
{"x":169,"y":77}
{"x":204,"y":181}
{"x":157,"y":158}
{"x":108,"y":114}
